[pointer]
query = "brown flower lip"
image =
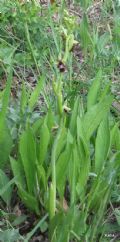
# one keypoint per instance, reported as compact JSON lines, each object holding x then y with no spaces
{"x":61,"y":66}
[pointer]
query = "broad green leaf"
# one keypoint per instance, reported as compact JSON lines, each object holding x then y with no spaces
{"x":24,"y":98}
{"x":62,"y":168}
{"x":83,"y":177}
{"x":37,"y":125}
{"x":50,"y":119}
{"x":105,"y":181}
{"x":5,"y":144}
{"x":61,"y":142}
{"x":115,"y":137}
{"x":35,"y":94}
{"x":5,"y":137}
{"x":79,"y":225}
{"x":28,"y":155}
{"x":81,"y":139}
{"x":113,"y":133}
{"x":102,"y":145}
{"x":44,"y":142}
{"x":53,"y":171}
{"x":52,"y":202}
{"x":7,"y":186}
{"x":74,"y":115}
{"x":118,"y":140}
{"x":94,"y":91}
{"x":85,"y":33}
{"x":70,"y":138}
{"x":18,"y":171}
{"x":57,"y":220}
{"x":1,"y":94}
{"x":66,"y":224}
{"x":105,"y":91}
{"x":4,"y":180}
{"x":5,"y":99}
{"x":73,"y":174}
{"x":99,"y":215}
{"x":84,"y":159}
{"x":29,"y":200}
{"x":42,"y":178}
{"x":103,"y":41}
{"x":59,"y":223}
{"x":94,"y":116}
